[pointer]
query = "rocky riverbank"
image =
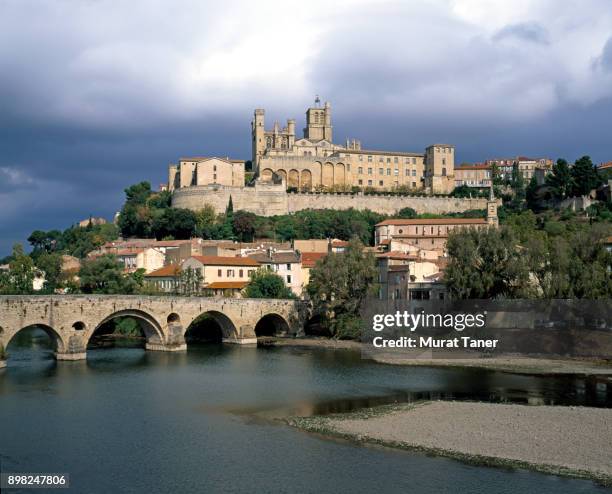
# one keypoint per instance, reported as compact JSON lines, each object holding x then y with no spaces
{"x":570,"y":441}
{"x":517,"y":365}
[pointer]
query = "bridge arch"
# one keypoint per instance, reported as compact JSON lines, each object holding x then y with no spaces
{"x":148,"y":325}
{"x":227,"y":328}
{"x":56,"y":339}
{"x":272,"y":325}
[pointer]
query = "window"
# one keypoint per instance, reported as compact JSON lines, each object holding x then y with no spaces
{"x":396,"y":172}
{"x":370,"y":159}
{"x":414,"y":161}
{"x":360,"y":170}
{"x":360,"y":182}
{"x":288,"y":267}
{"x":214,"y":168}
{"x":381,"y":171}
{"x":289,"y":278}
{"x":388,"y":171}
{"x":407,"y":172}
{"x":369,"y":171}
{"x":444,"y":161}
{"x":380,"y":159}
{"x":388,"y":160}
{"x":400,"y":231}
{"x":407,"y":160}
{"x":414,"y":184}
{"x":230,"y":273}
{"x":215,"y":177}
{"x":348,"y":167}
{"x":361,"y":157}
{"x":444,"y":172}
{"x":395,"y":159}
{"x":369,"y":182}
{"x":414,"y":173}
{"x":219,"y":273}
{"x":241,"y":273}
{"x":380,"y":183}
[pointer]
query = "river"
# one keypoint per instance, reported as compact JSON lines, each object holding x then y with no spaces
{"x":127,"y":420}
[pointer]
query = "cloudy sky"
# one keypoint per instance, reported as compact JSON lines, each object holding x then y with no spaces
{"x":98,"y":94}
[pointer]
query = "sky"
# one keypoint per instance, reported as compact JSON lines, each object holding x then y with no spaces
{"x":96,"y":95}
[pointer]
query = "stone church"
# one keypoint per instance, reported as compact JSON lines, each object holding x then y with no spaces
{"x":314,"y":163}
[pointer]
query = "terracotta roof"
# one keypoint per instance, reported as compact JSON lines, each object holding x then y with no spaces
{"x":433,"y":221}
{"x":339,"y":243}
{"x":277,"y":257}
{"x":605,"y":166}
{"x":239,"y":285}
{"x":166,"y":271}
{"x":127,"y":252}
{"x":386,"y":241}
{"x":309,"y":259}
{"x":226,"y":261}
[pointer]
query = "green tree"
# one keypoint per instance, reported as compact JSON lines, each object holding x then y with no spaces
{"x":266,"y":284}
{"x":560,"y":179}
{"x":177,"y":223}
{"x":339,"y":283}
{"x":104,"y":274}
{"x":205,"y":222}
{"x":244,"y":225}
{"x":18,"y":280}
{"x":406,"y":213}
{"x":485,"y":263}
{"x":42,"y":241}
{"x":584,"y":176}
{"x":190,"y":281}
{"x":531,"y":193}
{"x":51,"y":265}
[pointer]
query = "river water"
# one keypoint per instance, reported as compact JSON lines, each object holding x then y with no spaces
{"x":127,"y":420}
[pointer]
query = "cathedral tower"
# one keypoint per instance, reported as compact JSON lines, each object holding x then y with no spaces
{"x":258,"y":137}
{"x":318,"y":122}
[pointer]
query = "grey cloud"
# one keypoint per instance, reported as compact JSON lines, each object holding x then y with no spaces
{"x":526,"y":31}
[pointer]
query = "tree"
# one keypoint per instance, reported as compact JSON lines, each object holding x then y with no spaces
{"x":190,"y":281}
{"x":205,"y":222}
{"x":560,"y":179}
{"x":244,"y":225}
{"x":51,"y":265}
{"x":266,"y":284}
{"x":104,"y":274}
{"x":45,"y":241}
{"x":485,"y":263}
{"x":339,"y":283}
{"x":531,"y":193}
{"x":406,"y":213}
{"x":177,"y":223}
{"x":136,"y":216}
{"x":18,"y":280}
{"x":584,"y":176}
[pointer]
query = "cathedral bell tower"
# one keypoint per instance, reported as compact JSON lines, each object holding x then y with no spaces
{"x":318,"y":122}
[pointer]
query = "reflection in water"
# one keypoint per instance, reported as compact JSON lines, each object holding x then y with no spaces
{"x":169,"y":411}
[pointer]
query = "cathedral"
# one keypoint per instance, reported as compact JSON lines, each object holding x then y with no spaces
{"x":315,"y":163}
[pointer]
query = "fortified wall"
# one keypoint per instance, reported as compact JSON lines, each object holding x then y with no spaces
{"x":266,"y":199}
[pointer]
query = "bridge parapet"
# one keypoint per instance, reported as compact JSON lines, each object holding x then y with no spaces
{"x":71,"y":320}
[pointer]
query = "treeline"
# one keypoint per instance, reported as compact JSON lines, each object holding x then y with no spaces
{"x":532,"y":257}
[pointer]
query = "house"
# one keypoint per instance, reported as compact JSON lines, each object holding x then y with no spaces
{"x":218,"y":271}
{"x":430,"y":234}
{"x":165,"y":279}
{"x":477,"y":176}
{"x":403,"y":276}
{"x":286,"y":264}
{"x":309,"y":260}
{"x":149,"y":259}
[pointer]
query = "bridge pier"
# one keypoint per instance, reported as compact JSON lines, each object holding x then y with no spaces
{"x":70,"y":356}
{"x":166,"y":347}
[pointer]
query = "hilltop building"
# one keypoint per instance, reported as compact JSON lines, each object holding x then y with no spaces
{"x":315,"y":162}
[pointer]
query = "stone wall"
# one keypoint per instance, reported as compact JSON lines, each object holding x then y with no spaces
{"x":271,"y":199}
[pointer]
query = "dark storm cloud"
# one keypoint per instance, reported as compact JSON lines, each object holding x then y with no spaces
{"x":95,"y":96}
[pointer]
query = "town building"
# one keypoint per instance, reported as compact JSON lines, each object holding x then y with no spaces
{"x":309,"y":261}
{"x":222,"y":275}
{"x":286,"y":264}
{"x":527,"y":167}
{"x":477,"y":176}
{"x":202,"y":170}
{"x":403,"y":276}
{"x":165,"y":279}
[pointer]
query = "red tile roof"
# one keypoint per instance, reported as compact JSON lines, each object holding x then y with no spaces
{"x":339,"y":243}
{"x":239,"y":285}
{"x":309,"y":259}
{"x":433,"y":221}
{"x":166,"y":271}
{"x":226,"y":261}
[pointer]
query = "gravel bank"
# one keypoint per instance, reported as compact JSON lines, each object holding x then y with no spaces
{"x":575,"y":441}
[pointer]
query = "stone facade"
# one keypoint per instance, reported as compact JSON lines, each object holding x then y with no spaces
{"x":71,"y":320}
{"x":273,"y":199}
{"x":314,"y":162}
{"x":205,"y":171}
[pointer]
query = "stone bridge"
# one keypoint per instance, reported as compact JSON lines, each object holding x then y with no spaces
{"x":71,"y":320}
